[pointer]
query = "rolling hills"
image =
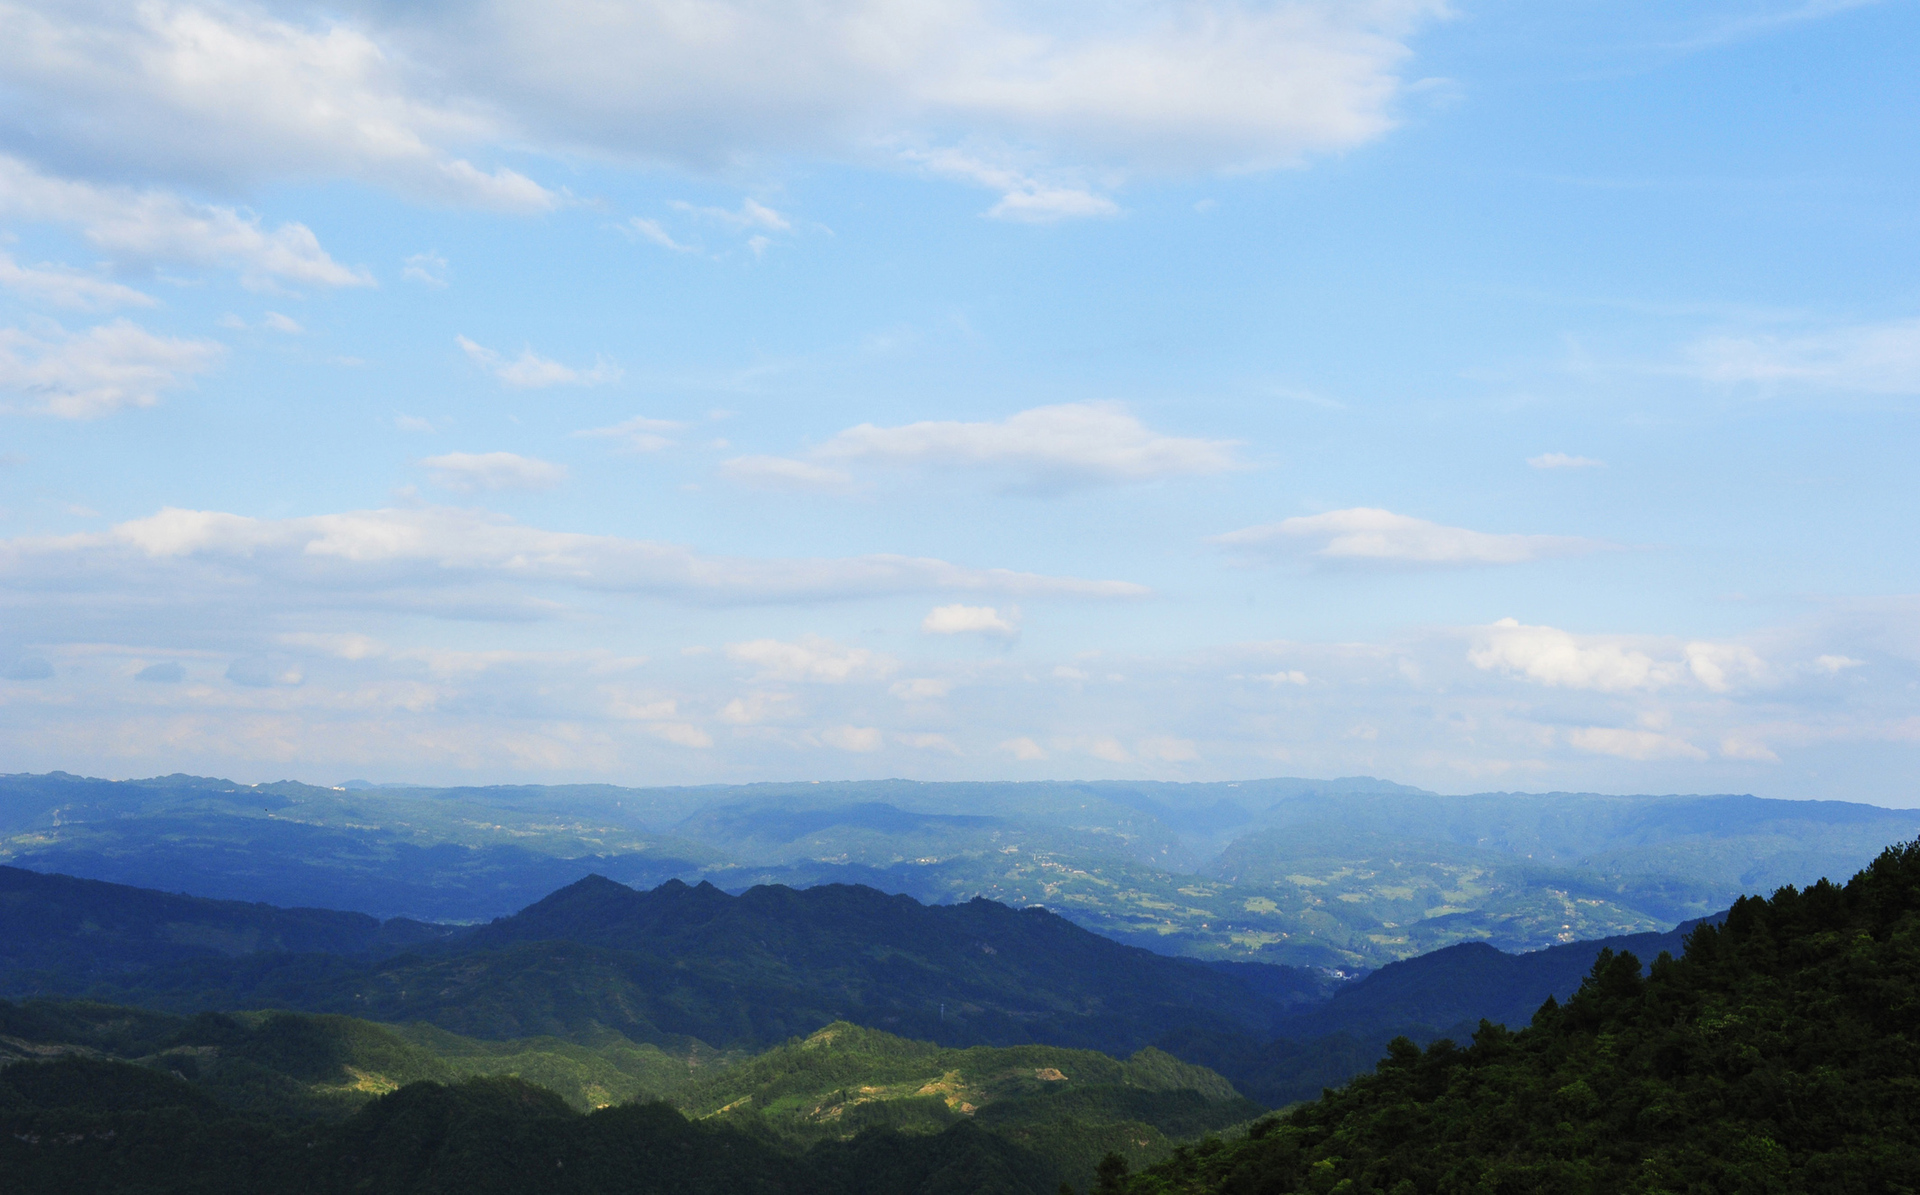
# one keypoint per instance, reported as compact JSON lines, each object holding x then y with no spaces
{"x":1344,"y":875}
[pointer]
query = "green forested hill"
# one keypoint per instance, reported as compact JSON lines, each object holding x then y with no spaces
{"x":274,"y":1078}
{"x":1071,"y":1107}
{"x":86,"y":1127}
{"x":301,"y":1066}
{"x":743,"y":972}
{"x":1781,"y":1052}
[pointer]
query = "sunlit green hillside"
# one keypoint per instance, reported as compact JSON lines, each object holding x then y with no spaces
{"x":1071,"y":1106}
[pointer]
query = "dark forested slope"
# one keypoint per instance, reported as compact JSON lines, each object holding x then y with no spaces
{"x":1781,"y":1052}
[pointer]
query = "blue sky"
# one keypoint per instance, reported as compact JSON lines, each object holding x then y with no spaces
{"x":1482,"y":396}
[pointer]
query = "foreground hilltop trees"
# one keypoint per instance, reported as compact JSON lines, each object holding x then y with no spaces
{"x":1781,"y":1053}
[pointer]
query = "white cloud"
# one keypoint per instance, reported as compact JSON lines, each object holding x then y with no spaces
{"x":1719,"y":666}
{"x":536,"y":373}
{"x":1632,"y":744}
{"x":813,"y":658}
{"x":1073,"y":443}
{"x":921,"y":688}
{"x":1560,"y":460}
{"x":1024,"y":749}
{"x":468,"y":472}
{"x":755,"y":708}
{"x":781,"y":473}
{"x":412,"y":423}
{"x":85,"y":375}
{"x":1168,"y":750}
{"x":461,"y":561}
{"x":1022,"y":197}
{"x":752,"y":214}
{"x":234,"y":96}
{"x":930,"y":742}
{"x":1294,"y":677}
{"x":861,"y":739}
{"x":1554,"y":657}
{"x":682,"y":734}
{"x":650,"y":230}
{"x":641,"y":433}
{"x":282,"y":323}
{"x":974,"y":620}
{"x":64,"y":287}
{"x":428,"y":269}
{"x":1881,"y":358}
{"x":1551,"y":656}
{"x":1367,"y":535}
{"x":150,"y":227}
{"x":1834,"y":664}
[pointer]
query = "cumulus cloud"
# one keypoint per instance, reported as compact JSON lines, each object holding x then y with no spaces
{"x":1024,"y":749}
{"x":469,"y":472}
{"x":1068,"y":444}
{"x":1561,"y":460}
{"x":781,"y":473}
{"x":1550,"y":656}
{"x":84,"y":375}
{"x":1364,"y":535}
{"x":1882,"y":358}
{"x":813,"y":658}
{"x":971,"y":620}
{"x":63,"y":287}
{"x":144,"y":228}
{"x":531,"y":372}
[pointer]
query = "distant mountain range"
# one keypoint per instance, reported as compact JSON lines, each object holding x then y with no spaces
{"x":686,"y":968}
{"x":1343,"y":876}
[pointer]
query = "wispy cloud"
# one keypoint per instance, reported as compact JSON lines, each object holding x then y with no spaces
{"x":651,"y":230}
{"x":63,"y":287}
{"x":435,"y":557}
{"x":1071,"y":444}
{"x":470,"y":472}
{"x":1022,"y":196}
{"x":640,"y":433}
{"x":84,"y":375}
{"x":782,"y":473}
{"x":1561,"y":460}
{"x":1881,"y":358}
{"x":148,"y":227}
{"x":531,"y":372}
{"x":428,"y":269}
{"x":1364,"y":535}
{"x":813,"y":658}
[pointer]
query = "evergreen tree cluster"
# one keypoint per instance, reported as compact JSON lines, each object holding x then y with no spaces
{"x":1780,"y":1053}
